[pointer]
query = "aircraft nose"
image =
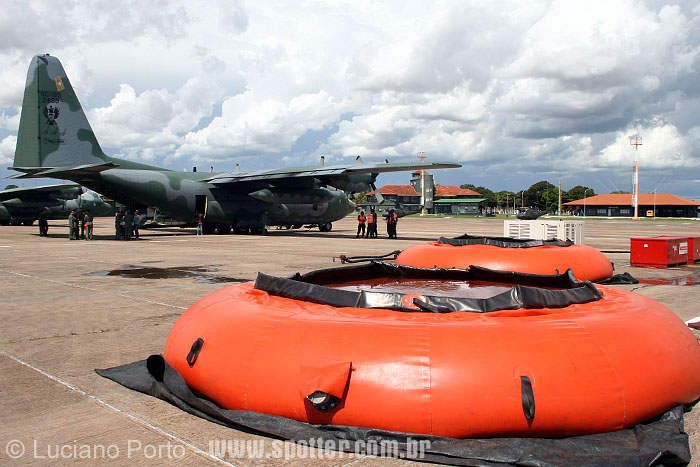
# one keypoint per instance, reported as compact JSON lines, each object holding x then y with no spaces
{"x":351,"y":206}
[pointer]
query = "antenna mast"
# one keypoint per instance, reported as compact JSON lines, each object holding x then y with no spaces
{"x":636,"y":141}
{"x":421,"y":156}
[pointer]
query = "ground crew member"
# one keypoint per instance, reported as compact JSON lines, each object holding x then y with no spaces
{"x":71,"y":225}
{"x":76,"y":225}
{"x":128,"y":224}
{"x":43,"y":223}
{"x":122,"y":225}
{"x":137,"y":219}
{"x":361,"y":219}
{"x":117,"y":224}
{"x":391,"y":219}
{"x":372,"y":224}
{"x":200,"y":223}
{"x":81,"y":225}
{"x":88,"y":225}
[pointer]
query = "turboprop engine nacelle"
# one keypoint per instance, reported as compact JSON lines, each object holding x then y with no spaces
{"x":355,"y":183}
{"x":287,"y":196}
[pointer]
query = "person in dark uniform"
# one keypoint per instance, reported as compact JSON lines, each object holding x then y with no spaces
{"x":128,"y":224}
{"x":81,"y":225}
{"x":76,"y":226}
{"x":117,"y":224}
{"x":122,"y":225}
{"x":391,"y":220}
{"x":43,"y":223}
{"x":361,"y":220}
{"x":71,"y":225}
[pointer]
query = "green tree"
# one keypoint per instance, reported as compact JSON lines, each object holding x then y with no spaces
{"x":577,"y":192}
{"x":619,"y":192}
{"x":504,"y":198}
{"x":484,"y":192}
{"x":535,"y":195}
{"x":8,"y":187}
{"x":361,"y":197}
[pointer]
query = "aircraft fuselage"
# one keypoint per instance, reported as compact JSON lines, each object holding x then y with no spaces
{"x":181,"y":195}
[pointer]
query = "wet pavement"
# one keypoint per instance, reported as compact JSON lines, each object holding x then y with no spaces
{"x":199,"y":274}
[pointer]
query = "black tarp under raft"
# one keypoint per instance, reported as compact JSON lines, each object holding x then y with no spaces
{"x":659,"y":442}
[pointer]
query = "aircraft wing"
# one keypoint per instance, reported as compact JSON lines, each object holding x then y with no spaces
{"x":47,"y":189}
{"x":68,"y":173}
{"x":325,"y":171}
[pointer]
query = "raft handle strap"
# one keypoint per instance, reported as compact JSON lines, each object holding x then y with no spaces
{"x":194,"y":352}
{"x":365,"y":259}
{"x":430,"y":308}
{"x":528,"y":397}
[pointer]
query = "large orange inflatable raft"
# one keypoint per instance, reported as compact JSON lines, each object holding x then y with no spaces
{"x":509,"y":254}
{"x":445,"y":352}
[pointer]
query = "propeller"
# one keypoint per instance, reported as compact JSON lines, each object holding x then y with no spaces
{"x":358,"y":160}
{"x":377,"y":194}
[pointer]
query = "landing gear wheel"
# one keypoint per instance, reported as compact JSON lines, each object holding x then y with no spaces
{"x":223,"y":229}
{"x":28,"y":223}
{"x":262,"y":231}
{"x":208,"y":229}
{"x":325,"y":227}
{"x":240,"y":231}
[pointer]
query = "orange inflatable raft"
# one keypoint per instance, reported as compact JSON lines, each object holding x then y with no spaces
{"x":509,"y":254}
{"x":457,"y":353}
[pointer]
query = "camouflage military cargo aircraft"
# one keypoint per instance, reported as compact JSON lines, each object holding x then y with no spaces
{"x":22,"y":205}
{"x":55,"y":141}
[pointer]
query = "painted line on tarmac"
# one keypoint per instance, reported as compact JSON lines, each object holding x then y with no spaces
{"x":121,"y":293}
{"x":96,"y":291}
{"x":107,"y":405}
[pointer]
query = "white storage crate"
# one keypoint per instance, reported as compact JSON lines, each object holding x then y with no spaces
{"x":545,"y":229}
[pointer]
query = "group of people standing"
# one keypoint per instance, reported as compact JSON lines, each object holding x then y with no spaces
{"x":126,"y":224}
{"x":79,"y":225}
{"x":371,"y":224}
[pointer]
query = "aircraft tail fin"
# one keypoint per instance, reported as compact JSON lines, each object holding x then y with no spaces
{"x":53,"y":129}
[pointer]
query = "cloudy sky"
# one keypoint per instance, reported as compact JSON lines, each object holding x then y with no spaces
{"x":516,"y":91}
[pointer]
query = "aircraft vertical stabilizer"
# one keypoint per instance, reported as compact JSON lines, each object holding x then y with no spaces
{"x":53,"y":129}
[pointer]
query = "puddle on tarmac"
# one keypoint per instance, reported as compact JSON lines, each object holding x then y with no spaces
{"x":198,"y":273}
{"x":691,"y":279}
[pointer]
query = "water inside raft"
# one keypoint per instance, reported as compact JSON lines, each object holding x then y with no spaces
{"x":442,"y":288}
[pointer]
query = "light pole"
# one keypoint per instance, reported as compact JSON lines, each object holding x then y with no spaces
{"x":584,"y":201}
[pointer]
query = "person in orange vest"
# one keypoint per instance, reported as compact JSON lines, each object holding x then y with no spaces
{"x":391,"y":219}
{"x":361,"y":219}
{"x":372,"y":224}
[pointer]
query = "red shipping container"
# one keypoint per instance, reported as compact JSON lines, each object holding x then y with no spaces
{"x":658,"y":252}
{"x":693,"y":246}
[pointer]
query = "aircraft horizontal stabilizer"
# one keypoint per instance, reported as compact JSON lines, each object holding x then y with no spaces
{"x":68,"y":173}
{"x":15,"y":192}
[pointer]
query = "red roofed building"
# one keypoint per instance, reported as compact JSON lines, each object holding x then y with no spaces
{"x":448,"y":191}
{"x":650,"y":205}
{"x":443,"y":199}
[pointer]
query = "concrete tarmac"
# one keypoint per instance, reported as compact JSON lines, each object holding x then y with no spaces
{"x":68,"y":307}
